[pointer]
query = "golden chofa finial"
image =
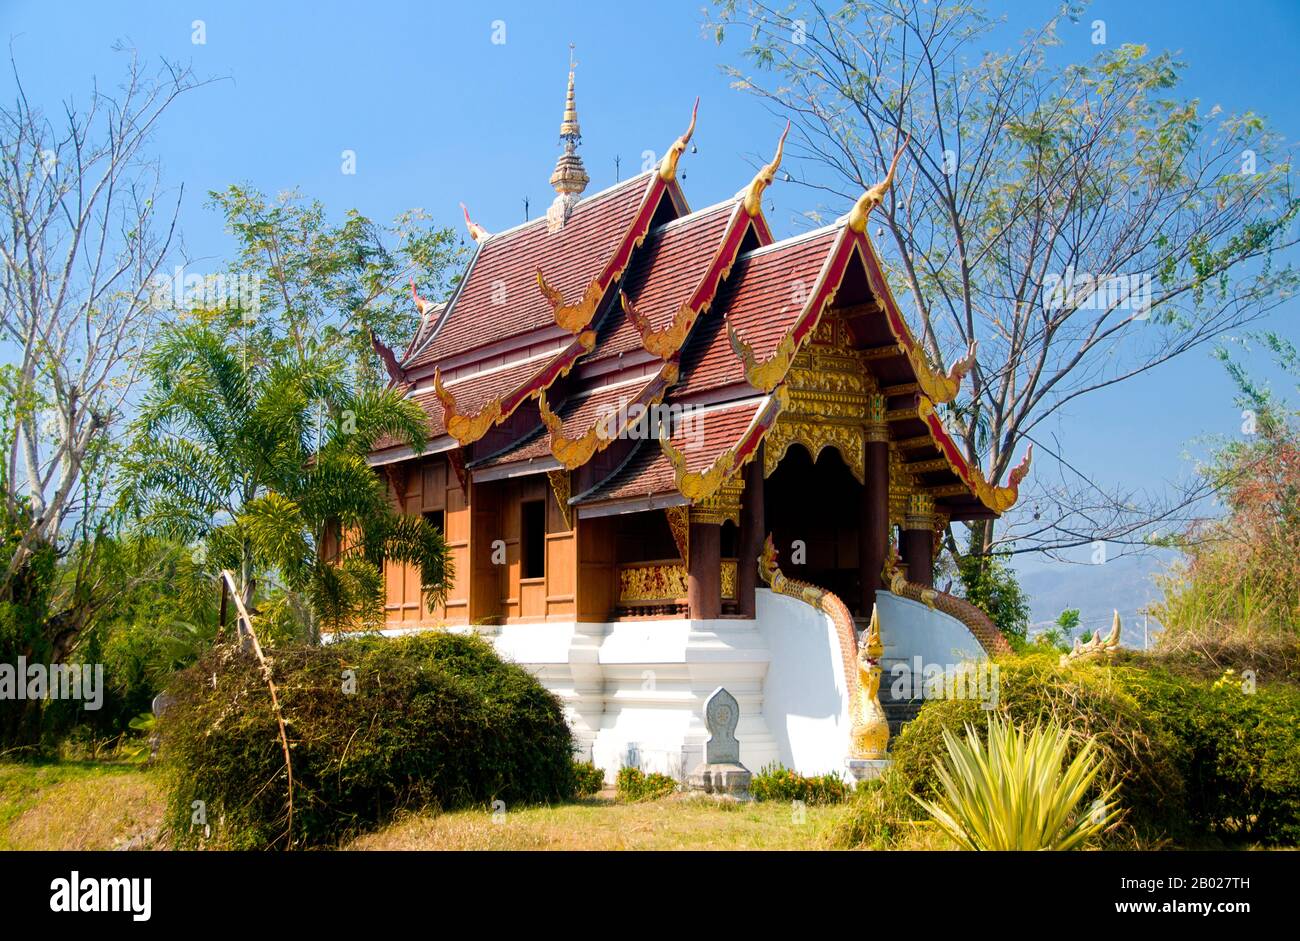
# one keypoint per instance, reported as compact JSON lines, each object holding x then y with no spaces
{"x":476,"y":231}
{"x":421,"y":304}
{"x":753,"y":193}
{"x":874,"y":196}
{"x":668,"y":166}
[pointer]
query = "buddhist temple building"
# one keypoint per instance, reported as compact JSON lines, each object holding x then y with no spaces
{"x":670,"y":452}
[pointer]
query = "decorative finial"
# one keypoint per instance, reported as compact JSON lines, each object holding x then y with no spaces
{"x":421,"y":304}
{"x":753,"y":193}
{"x":668,"y":166}
{"x":476,"y":231}
{"x":570,"y":176}
{"x":874,"y":196}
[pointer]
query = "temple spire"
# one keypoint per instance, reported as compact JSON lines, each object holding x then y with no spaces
{"x":570,"y":176}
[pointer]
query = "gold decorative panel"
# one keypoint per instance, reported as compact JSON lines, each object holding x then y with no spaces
{"x":652,"y":582}
{"x":728,"y":578}
{"x":723,"y":505}
{"x":832,"y":398}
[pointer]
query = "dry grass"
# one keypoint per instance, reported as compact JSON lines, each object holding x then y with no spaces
{"x":680,"y":822}
{"x":101,"y":806}
{"x":77,"y":806}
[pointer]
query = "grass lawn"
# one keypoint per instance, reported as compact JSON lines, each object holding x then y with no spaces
{"x":77,"y":805}
{"x":99,"y":805}
{"x":680,"y":822}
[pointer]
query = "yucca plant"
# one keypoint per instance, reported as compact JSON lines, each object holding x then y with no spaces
{"x":1014,"y":795}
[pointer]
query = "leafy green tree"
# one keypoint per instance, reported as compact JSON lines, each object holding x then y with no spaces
{"x":1061,"y":634}
{"x":1085,"y":221}
{"x":262,"y":461}
{"x":991,"y":585}
{"x":1240,"y":574}
{"x":321,"y":285}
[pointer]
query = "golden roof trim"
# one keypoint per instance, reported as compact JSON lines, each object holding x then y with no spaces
{"x":668,"y":166}
{"x":752,"y":195}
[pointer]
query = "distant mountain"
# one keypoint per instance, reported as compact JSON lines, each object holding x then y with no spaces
{"x":1122,"y":584}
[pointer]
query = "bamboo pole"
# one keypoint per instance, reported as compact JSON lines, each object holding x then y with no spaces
{"x":244,"y":627}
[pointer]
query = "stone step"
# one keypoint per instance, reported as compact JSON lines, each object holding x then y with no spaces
{"x":898,"y":712}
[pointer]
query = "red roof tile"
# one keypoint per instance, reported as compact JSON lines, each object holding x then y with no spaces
{"x":500,"y":298}
{"x":764,"y":296}
{"x":702,"y":440}
{"x":667,"y":270}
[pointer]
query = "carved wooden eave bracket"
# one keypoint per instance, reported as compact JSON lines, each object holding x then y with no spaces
{"x":465,"y":428}
{"x":751,"y":196}
{"x":702,"y":484}
{"x":998,"y":499}
{"x":679,"y":522}
{"x":668,"y":166}
{"x":573,"y":317}
{"x":562,"y":486}
{"x":575,"y":452}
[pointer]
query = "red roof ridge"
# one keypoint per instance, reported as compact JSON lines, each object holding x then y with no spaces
{"x":494,"y":413}
{"x":585,"y":203}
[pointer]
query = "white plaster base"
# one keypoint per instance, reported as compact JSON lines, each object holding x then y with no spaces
{"x":634,"y":691}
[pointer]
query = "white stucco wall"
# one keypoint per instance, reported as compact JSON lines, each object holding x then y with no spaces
{"x":634,"y":691}
{"x":806,"y":697}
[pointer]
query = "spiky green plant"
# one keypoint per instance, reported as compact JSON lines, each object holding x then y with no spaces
{"x":1014,"y":795}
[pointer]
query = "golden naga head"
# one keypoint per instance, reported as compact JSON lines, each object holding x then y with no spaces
{"x":476,"y":231}
{"x":464,"y":428}
{"x":874,"y":196}
{"x":668,"y":166}
{"x":963,"y":365}
{"x":753,"y":193}
{"x":1021,"y":470}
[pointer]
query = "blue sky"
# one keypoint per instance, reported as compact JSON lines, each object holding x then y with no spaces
{"x":437,"y":113}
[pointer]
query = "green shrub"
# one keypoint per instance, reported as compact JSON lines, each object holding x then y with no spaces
{"x":587,"y":779}
{"x":776,"y":782}
{"x":433,"y":720}
{"x":633,"y":785}
{"x":1192,"y":759}
{"x":1137,"y":753}
{"x":1238,"y":751}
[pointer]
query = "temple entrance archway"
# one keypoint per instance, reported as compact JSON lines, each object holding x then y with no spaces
{"x":812,"y":511}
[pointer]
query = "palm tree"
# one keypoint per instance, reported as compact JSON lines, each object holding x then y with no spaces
{"x":260,"y":457}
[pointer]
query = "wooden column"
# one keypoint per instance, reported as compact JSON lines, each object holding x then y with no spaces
{"x":752,"y":531}
{"x":917,"y":540}
{"x":704,"y":584}
{"x":873,"y":528}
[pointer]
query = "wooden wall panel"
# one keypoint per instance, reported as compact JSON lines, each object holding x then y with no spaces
{"x":483,"y":591}
{"x":485,"y":603}
{"x":596,"y":571}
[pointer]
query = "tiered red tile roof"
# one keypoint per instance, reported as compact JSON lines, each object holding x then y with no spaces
{"x":500,"y":342}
